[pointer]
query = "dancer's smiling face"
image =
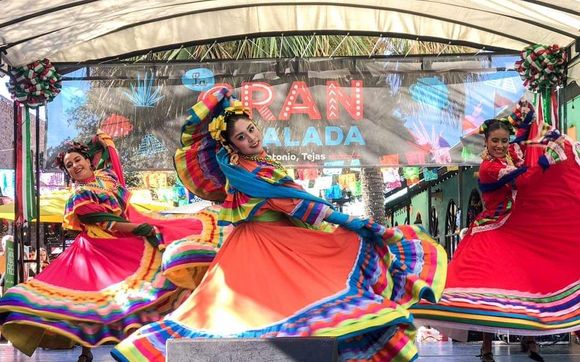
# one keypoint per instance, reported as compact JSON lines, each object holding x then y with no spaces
{"x":78,"y":166}
{"x":246,"y":136}
{"x":497,"y":143}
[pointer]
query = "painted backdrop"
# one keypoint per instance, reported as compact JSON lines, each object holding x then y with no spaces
{"x":327,"y":112}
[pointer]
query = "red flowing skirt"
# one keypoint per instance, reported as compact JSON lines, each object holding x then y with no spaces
{"x":523,"y":277}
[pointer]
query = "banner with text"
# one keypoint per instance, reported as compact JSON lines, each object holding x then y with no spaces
{"x":313,"y":113}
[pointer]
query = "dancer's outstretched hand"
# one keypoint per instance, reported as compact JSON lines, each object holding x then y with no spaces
{"x":151,"y":234}
{"x":523,"y":114}
{"x":374,"y":227}
{"x":553,"y":154}
{"x":364,"y":227}
{"x":104,"y":139}
{"x":552,"y":136}
{"x":524,"y":107}
{"x":349,"y":222}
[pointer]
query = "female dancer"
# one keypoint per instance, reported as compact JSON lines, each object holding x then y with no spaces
{"x":282,"y":271}
{"x":109,"y":281}
{"x":516,"y":269}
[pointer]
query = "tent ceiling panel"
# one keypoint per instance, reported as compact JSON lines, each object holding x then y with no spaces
{"x":76,"y":31}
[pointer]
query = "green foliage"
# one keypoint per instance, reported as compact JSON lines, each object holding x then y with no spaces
{"x":304,"y":46}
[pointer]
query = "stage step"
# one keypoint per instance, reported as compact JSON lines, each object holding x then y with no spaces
{"x":283,"y":349}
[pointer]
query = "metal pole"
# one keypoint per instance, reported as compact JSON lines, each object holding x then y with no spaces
{"x":26,"y":227}
{"x":19,"y":252}
{"x":460,"y":196}
{"x":563,"y":112}
{"x":17,"y":228}
{"x":23,"y":258}
{"x":429,"y":206}
{"x":61,"y":237}
{"x":408,"y":195}
{"x":564,"y":117}
{"x":37,"y":187}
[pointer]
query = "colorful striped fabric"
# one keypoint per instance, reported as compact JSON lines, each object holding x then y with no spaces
{"x":352,"y":312}
{"x":369,"y":317}
{"x":89,"y":317}
{"x":105,"y":284}
{"x":252,"y":183}
{"x":104,"y":155}
{"x":240,"y":207}
{"x":505,"y":311}
{"x":104,"y":190}
{"x":195,"y":162}
{"x":48,"y":300}
{"x":185,"y":261}
{"x":311,"y":212}
{"x":415,"y":263}
{"x":87,"y":333}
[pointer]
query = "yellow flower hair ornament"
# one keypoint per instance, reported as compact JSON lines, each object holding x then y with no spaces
{"x":237,"y":108}
{"x":219,"y":124}
{"x":216,"y":127}
{"x":485,"y":125}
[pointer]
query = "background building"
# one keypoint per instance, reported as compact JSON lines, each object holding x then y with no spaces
{"x":7,"y":133}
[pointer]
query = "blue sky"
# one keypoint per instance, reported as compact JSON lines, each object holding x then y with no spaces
{"x":4,"y":87}
{"x":58,"y":128}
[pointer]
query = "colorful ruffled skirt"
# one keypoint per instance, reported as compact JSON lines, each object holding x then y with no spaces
{"x":523,"y":277}
{"x":273,"y":279}
{"x":101,"y":289}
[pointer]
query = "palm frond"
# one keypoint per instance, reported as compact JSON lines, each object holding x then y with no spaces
{"x":304,"y":46}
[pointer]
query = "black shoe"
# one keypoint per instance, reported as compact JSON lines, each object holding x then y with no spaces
{"x":526,"y":348}
{"x":536,"y":356}
{"x":526,"y":343}
{"x":85,"y":357}
{"x":485,"y":357}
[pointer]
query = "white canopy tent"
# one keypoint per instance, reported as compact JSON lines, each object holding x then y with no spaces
{"x":77,"y":31}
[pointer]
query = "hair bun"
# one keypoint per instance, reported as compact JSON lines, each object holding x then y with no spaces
{"x":484,"y":128}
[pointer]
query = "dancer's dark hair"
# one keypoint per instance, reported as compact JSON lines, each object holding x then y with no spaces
{"x":77,"y":147}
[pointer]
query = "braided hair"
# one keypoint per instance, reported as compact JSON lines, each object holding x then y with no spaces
{"x":77,"y":147}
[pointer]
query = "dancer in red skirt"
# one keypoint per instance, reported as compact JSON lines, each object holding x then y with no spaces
{"x":516,"y":271}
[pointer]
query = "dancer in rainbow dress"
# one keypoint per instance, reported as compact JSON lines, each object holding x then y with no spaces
{"x":285,"y":270}
{"x":110,"y":281}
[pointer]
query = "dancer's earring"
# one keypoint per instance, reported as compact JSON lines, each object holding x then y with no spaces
{"x":484,"y":154}
{"x":234,"y":156}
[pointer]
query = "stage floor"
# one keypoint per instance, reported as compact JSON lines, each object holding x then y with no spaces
{"x":431,"y":352}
